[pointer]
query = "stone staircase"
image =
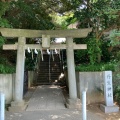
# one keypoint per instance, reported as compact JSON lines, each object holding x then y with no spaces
{"x":49,"y":70}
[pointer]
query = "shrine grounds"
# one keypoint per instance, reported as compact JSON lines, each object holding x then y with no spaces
{"x":93,"y":111}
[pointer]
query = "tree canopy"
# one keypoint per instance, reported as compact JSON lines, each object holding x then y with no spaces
{"x":102,"y":15}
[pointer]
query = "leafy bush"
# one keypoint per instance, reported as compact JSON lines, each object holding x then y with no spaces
{"x":96,"y":67}
{"x":2,"y":41}
{"x":4,"y":23}
{"x":116,"y":83}
{"x":7,"y":69}
{"x":117,"y":94}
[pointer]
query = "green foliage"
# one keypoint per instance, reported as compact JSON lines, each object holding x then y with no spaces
{"x":29,"y":15}
{"x":118,"y":56}
{"x":116,"y":86}
{"x":93,"y":50}
{"x":117,"y":94}
{"x":2,"y":41}
{"x":22,"y":14}
{"x":30,"y":60}
{"x":96,"y":67}
{"x":99,"y":14}
{"x":102,"y":16}
{"x":60,"y":6}
{"x":4,"y":23}
{"x":3,"y":7}
{"x":90,"y":55}
{"x":6,"y":67}
{"x":114,"y":38}
{"x":62,"y":21}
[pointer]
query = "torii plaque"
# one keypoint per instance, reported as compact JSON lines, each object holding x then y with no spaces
{"x":22,"y":34}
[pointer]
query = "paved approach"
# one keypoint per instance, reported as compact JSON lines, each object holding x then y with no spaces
{"x":46,"y":98}
{"x":47,"y":103}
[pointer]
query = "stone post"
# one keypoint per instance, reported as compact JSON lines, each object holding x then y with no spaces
{"x":109,"y":106}
{"x":72,"y":102}
{"x":71,"y":68}
{"x":18,"y":102}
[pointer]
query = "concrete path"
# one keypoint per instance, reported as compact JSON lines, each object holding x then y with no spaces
{"x":65,"y":114}
{"x":47,"y":103}
{"x":46,"y":98}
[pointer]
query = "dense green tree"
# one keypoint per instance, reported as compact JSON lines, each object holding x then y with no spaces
{"x":29,"y":15}
{"x":3,"y":22}
{"x":102,"y":16}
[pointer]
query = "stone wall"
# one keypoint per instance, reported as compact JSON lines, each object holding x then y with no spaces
{"x":6,"y":86}
{"x":93,"y":83}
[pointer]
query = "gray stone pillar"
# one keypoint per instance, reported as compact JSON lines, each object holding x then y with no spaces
{"x":20,"y":69}
{"x":18,"y":102}
{"x":73,"y":101}
{"x":71,"y":69}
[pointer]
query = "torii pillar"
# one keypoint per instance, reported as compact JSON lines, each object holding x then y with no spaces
{"x":73,"y":101}
{"x":71,"y":68}
{"x":18,"y":104}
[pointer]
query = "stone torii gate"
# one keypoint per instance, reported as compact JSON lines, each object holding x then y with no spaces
{"x":18,"y":102}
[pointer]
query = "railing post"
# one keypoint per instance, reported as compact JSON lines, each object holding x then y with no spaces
{"x":84,"y":113}
{"x":2,"y":106}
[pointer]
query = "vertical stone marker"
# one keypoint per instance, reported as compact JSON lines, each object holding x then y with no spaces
{"x":109,"y":106}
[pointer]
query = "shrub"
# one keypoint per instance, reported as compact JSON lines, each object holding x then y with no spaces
{"x":7,"y":69}
{"x":96,"y":67}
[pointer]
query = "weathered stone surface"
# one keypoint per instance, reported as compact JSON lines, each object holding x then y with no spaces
{"x":79,"y":33}
{"x":20,"y":70}
{"x":109,"y":109}
{"x":64,"y":114}
{"x":17,"y":108}
{"x":47,"y":97}
{"x":6,"y":86}
{"x":108,"y":94}
{"x":73,"y":104}
{"x":93,"y":83}
{"x":45,"y":41}
{"x":108,"y":88}
{"x":71,"y":69}
{"x":52,"y":46}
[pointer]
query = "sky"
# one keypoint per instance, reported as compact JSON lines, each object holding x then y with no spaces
{"x":59,"y":40}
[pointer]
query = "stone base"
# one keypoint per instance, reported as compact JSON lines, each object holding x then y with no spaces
{"x":109,"y":109}
{"x":73,"y":104}
{"x":17,"y":106}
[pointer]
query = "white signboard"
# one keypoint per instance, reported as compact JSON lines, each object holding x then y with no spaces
{"x":108,"y":88}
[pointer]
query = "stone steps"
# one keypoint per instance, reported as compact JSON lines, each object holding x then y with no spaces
{"x":49,"y":71}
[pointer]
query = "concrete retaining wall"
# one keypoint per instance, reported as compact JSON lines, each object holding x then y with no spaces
{"x":7,"y":83}
{"x":93,"y":83}
{"x":6,"y":86}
